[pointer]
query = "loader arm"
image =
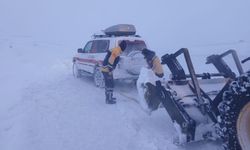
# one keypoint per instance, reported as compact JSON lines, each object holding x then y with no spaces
{"x":245,"y":60}
{"x":177,"y":113}
{"x":170,"y":60}
{"x":221,"y":65}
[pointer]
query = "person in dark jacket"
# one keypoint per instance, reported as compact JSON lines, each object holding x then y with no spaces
{"x":153,"y":62}
{"x":109,"y":64}
{"x":155,"y":65}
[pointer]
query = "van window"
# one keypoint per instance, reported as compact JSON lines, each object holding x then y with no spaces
{"x":100,"y":46}
{"x":88,"y":47}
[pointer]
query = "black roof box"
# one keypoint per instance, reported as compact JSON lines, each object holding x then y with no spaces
{"x":120,"y":30}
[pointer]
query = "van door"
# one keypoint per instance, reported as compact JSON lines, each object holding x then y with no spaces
{"x":84,"y":60}
{"x":99,"y":51}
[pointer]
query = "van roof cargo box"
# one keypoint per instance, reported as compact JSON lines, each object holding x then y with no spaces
{"x":120,"y":30}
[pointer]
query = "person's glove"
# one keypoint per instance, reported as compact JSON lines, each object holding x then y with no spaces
{"x":107,"y":69}
{"x":110,"y":67}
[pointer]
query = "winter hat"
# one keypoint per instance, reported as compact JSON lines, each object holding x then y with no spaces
{"x":123,"y":45}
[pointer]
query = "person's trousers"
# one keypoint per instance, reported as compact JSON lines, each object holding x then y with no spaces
{"x":109,"y":84}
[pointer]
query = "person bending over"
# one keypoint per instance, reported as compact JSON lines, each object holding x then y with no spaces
{"x":109,"y":63}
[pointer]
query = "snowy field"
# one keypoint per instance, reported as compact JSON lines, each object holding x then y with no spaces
{"x":44,"y":107}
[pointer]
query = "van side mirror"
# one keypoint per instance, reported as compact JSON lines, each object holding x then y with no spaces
{"x":80,"y":50}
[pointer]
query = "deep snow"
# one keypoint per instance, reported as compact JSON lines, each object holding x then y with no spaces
{"x":44,"y":107}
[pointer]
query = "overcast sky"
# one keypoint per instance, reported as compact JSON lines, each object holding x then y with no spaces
{"x":163,"y":23}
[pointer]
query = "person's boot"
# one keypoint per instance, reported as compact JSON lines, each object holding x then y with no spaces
{"x":113,"y":98}
{"x":110,"y":101}
{"x":109,"y":98}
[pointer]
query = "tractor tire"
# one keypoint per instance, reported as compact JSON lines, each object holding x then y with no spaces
{"x":234,"y":119}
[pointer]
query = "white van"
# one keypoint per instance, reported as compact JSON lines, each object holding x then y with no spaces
{"x":88,"y":59}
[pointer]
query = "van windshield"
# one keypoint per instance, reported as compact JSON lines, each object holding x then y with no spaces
{"x":136,"y":45}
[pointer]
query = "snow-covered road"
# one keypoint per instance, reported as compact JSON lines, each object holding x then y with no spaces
{"x":68,"y":113}
{"x":44,"y":107}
